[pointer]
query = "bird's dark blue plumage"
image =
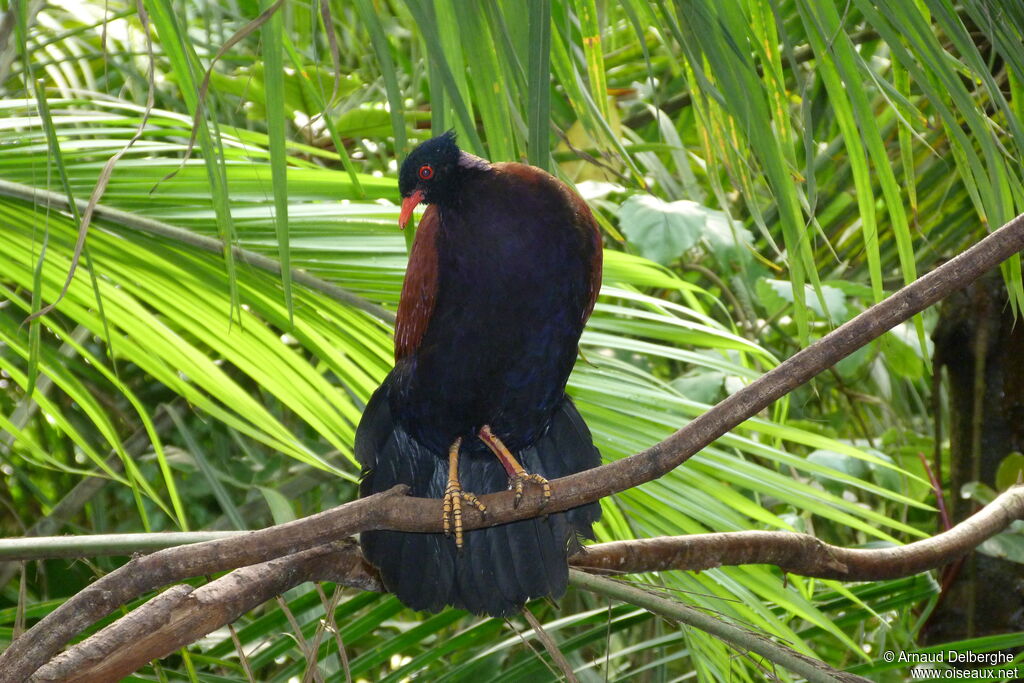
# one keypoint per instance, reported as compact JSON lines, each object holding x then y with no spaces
{"x":503,"y":274}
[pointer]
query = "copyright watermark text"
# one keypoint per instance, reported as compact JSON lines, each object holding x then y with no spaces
{"x":992,"y":665}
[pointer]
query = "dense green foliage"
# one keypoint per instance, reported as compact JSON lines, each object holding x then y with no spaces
{"x":762,"y":170}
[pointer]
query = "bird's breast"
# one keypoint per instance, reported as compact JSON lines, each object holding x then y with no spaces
{"x":502,"y":337}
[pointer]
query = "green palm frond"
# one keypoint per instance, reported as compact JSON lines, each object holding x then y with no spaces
{"x":834,"y":152}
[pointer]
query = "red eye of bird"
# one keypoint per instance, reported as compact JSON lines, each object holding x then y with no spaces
{"x":426,"y":172}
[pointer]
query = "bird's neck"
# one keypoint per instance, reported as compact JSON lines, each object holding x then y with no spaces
{"x":471,"y":162}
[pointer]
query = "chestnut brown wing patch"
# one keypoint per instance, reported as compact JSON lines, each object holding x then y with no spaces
{"x":419,"y":291}
{"x":584,"y":220}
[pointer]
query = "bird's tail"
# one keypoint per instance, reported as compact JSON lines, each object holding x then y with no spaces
{"x":499,"y":568}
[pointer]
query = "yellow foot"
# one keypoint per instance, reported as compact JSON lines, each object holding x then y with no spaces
{"x":451,"y":507}
{"x":517,"y":481}
{"x":517,"y":476}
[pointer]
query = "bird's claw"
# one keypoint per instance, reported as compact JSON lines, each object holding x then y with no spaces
{"x":451,"y":510}
{"x":518,"y":480}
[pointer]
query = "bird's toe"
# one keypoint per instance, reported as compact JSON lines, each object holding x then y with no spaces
{"x":451,"y":511}
{"x":517,"y":482}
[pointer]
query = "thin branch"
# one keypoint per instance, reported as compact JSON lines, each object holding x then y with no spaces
{"x":389,"y":511}
{"x":187,"y":237}
{"x":812,"y":669}
{"x":84,"y":491}
{"x":741,"y":312}
{"x":551,"y":646}
{"x":329,"y":607}
{"x":32,"y":548}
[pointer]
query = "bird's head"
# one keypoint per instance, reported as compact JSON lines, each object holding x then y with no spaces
{"x":429,"y":174}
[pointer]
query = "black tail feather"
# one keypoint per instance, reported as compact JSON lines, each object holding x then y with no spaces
{"x":499,"y":568}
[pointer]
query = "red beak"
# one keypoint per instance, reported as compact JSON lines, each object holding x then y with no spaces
{"x":408,"y":204}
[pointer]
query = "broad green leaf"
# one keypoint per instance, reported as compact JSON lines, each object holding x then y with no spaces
{"x":662,"y":231}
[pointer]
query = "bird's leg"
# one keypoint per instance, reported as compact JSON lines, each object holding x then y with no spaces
{"x":451,"y":504}
{"x":517,"y":476}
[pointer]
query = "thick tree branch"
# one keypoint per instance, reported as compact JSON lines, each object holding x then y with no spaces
{"x":800,"y":554}
{"x":803,"y":554}
{"x":42,"y":641}
{"x":149,"y":572}
{"x":181,"y":616}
